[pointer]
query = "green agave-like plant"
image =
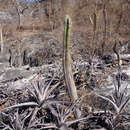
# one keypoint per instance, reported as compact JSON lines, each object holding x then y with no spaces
{"x":62,"y":112}
{"x":43,"y":95}
{"x":42,"y":92}
{"x":119,"y":98}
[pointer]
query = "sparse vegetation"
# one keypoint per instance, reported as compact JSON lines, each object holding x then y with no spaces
{"x":57,"y":76}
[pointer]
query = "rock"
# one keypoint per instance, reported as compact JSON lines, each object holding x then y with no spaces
{"x":22,"y":83}
{"x":14,"y":74}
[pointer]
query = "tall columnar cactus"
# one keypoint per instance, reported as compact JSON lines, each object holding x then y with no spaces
{"x":1,"y":37}
{"x":67,"y":65}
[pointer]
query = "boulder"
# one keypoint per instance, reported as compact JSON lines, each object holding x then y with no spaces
{"x":14,"y":74}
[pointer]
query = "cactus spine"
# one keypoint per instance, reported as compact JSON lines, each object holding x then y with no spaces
{"x":67,"y":65}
